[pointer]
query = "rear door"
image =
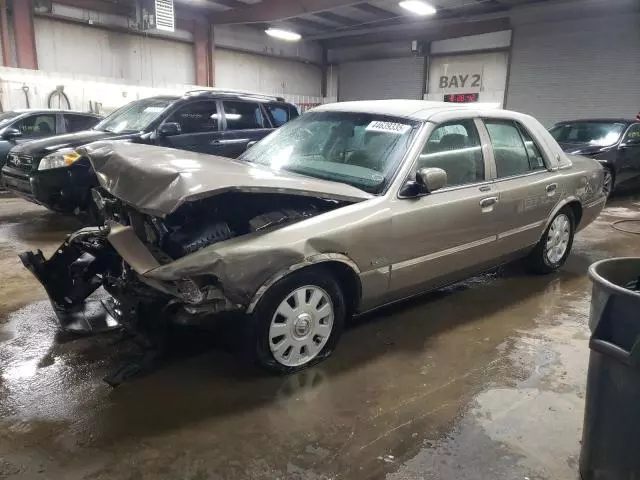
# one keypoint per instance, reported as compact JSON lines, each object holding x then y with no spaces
{"x":629,"y":155}
{"x":528,"y":191}
{"x":444,"y":236}
{"x":74,"y":122}
{"x":244,"y":122}
{"x":199,"y":128}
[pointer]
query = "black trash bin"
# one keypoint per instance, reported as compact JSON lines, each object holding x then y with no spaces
{"x":611,"y":435}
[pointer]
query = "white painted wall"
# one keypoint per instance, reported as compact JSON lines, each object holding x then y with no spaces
{"x":258,"y":73}
{"x":77,"y":49}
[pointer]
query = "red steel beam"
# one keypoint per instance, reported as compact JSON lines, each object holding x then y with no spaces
{"x":4,"y":37}
{"x":25,"y":35}
{"x":203,"y":50}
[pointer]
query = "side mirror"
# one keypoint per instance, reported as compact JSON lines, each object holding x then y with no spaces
{"x":427,"y":180}
{"x":431,"y":179}
{"x":169,"y":129}
{"x":11,"y":133}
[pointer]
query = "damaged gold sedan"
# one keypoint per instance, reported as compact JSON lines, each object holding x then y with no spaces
{"x":348,"y":208}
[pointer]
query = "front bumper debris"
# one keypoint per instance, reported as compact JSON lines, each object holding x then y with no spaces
{"x":70,"y":276}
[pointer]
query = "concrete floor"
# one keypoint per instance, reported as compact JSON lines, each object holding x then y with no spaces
{"x":484,"y":380}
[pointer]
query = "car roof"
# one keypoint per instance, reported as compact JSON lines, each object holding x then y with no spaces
{"x":20,"y":111}
{"x":599,"y":120}
{"x":413,"y":109}
{"x":230,"y":93}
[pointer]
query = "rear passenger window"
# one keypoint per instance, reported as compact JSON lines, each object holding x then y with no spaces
{"x":279,"y":114}
{"x":77,"y":123}
{"x":243,"y":115}
{"x":455,"y":148}
{"x":514,"y":151}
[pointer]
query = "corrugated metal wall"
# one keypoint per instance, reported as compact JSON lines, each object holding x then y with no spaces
{"x":576,"y":68}
{"x":382,"y":79}
{"x":64,"y":47}
{"x":257,"y":73}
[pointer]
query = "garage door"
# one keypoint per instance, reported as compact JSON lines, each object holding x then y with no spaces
{"x":380,"y":79}
{"x":575,"y":69}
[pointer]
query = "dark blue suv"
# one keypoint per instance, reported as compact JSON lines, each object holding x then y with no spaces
{"x":218,"y":122}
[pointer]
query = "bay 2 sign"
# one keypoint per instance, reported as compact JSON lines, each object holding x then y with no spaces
{"x":460,"y":80}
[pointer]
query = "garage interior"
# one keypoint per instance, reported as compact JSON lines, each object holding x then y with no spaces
{"x":485,"y":379}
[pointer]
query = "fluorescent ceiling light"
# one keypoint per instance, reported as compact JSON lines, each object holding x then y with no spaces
{"x":417,"y":7}
{"x":286,"y":35}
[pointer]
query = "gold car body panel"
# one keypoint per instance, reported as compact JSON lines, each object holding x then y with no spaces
{"x":398,"y":246}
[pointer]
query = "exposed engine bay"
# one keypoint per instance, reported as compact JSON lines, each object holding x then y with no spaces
{"x":87,"y":260}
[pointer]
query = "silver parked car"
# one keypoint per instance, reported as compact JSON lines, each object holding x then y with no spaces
{"x":348,"y":208}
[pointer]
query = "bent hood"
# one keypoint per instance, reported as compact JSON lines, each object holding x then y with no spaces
{"x":157,"y":180}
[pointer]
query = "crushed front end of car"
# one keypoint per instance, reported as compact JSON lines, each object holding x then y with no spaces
{"x":173,"y":246}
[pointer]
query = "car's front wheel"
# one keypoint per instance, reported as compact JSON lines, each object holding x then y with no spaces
{"x":555,"y":245}
{"x":608,"y":181}
{"x":298,"y":321}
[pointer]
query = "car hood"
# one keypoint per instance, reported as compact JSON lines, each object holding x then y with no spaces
{"x":157,"y":180}
{"x":47,"y":145}
{"x":578,"y":148}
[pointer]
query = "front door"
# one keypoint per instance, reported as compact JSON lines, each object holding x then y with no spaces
{"x":527,"y":190}
{"x":629,"y":156}
{"x":448,"y":234}
{"x":199,"y":128}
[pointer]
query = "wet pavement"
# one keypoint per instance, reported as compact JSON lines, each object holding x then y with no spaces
{"x":482,"y":380}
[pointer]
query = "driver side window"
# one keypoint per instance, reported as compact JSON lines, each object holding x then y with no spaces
{"x":36,"y":126}
{"x":455,"y":147}
{"x":633,"y":135}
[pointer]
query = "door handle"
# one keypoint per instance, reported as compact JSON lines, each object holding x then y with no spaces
{"x":229,"y":141}
{"x":551,"y":188}
{"x":488,"y":202}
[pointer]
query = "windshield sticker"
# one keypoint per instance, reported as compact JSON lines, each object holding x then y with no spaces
{"x":388,"y":127}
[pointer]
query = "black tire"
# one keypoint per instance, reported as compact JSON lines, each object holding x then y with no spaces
{"x":258,"y":342}
{"x":612,"y":176}
{"x":538,"y":260}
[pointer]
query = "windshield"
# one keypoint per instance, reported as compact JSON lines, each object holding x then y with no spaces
{"x":599,"y":134}
{"x":135,"y":116}
{"x":359,"y":149}
{"x":6,"y":118}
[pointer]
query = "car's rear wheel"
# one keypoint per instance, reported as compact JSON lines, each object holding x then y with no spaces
{"x":298,"y":321}
{"x":555,"y":245}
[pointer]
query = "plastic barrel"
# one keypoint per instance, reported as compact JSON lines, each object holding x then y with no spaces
{"x":611,"y":434}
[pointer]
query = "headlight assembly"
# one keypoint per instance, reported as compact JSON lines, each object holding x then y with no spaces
{"x":61,"y":158}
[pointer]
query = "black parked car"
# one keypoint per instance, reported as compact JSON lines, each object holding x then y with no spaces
{"x":19,"y":126}
{"x":614,"y":143}
{"x":50,"y":172}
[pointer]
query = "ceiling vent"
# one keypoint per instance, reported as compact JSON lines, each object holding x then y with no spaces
{"x":165,"y":18}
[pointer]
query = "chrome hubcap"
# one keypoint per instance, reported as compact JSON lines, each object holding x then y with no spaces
{"x":558,"y":238}
{"x":301,"y":326}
